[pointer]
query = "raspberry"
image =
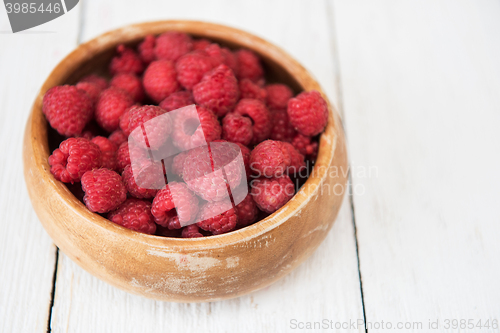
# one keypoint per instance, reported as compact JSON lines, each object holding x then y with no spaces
{"x":222,"y":55}
{"x":127,"y":61}
{"x":172,"y":45}
{"x":217,"y":91}
{"x":104,"y":190}
{"x":125,"y":119}
{"x":278,"y":95}
{"x":209,"y":169}
{"x":270,"y":194}
{"x":245,"y":152}
{"x":111,"y":105}
{"x":108,"y":152}
{"x":191,"y":67}
{"x":308,"y":113}
{"x":177,"y":100}
{"x":260,"y":116}
{"x":134,"y":214}
{"x":282,"y":130}
{"x":194,"y":127}
{"x":217,"y":217}
{"x":67,"y":109}
{"x":237,"y":128}
{"x":270,"y":159}
{"x":296,"y":159}
{"x":160,"y":80}
{"x":117,"y":137}
{"x":305,"y":146}
{"x":201,"y":44}
{"x":178,"y":163}
{"x":99,"y":81}
{"x":247,"y":211}
{"x":248,"y":89}
{"x":91,"y":89}
{"x":147,"y":49}
{"x":176,"y":196}
{"x":73,"y":158}
{"x":89,"y":131}
{"x":130,"y":83}
{"x":157,"y":131}
{"x":249,"y":66}
{"x":150,"y":174}
{"x":123,"y":155}
{"x":191,"y":231}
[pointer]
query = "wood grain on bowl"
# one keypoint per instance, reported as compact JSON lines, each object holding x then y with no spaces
{"x":186,"y":270}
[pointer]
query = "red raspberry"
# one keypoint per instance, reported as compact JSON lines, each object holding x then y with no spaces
{"x":194,"y":127}
{"x":278,"y":96}
{"x":245,"y":152}
{"x":123,"y":157}
{"x":111,"y":105}
{"x":305,"y":146}
{"x":177,"y":100}
{"x":247,"y":211}
{"x":160,"y":80}
{"x":178,"y":163}
{"x":157,"y":131}
{"x":73,"y":158}
{"x":150,"y":174}
{"x":172,"y":45}
{"x":130,"y":83}
{"x":237,"y":128}
{"x":117,"y":137}
{"x":201,"y":44}
{"x":220,"y":55}
{"x":67,"y":109}
{"x":296,"y":160}
{"x":90,"y":131}
{"x":91,"y":89}
{"x":218,"y":90}
{"x":249,"y":66}
{"x":108,"y":152}
{"x":191,"y":67}
{"x":176,"y":196}
{"x":308,"y":113}
{"x":270,"y":159}
{"x":260,"y":115}
{"x":134,"y":214}
{"x":217,"y":217}
{"x":99,"y":81}
{"x":191,"y":231}
{"x":125,"y":119}
{"x":104,"y":190}
{"x":282,"y":129}
{"x":147,"y":49}
{"x":248,"y":89}
{"x":127,"y":61}
{"x":209,"y":169}
{"x":270,"y":194}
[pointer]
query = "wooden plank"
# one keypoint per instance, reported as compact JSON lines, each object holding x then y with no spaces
{"x":326,"y":286}
{"x":420,"y":87}
{"x":27,"y":255}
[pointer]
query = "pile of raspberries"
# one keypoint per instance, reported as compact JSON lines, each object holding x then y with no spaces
{"x":275,"y":132}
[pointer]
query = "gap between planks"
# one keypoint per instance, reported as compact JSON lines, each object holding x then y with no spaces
{"x":340,"y":106}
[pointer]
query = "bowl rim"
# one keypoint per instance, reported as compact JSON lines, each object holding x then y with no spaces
{"x":134,"y":32}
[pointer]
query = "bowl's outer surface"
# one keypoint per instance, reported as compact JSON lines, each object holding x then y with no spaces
{"x":186,"y":270}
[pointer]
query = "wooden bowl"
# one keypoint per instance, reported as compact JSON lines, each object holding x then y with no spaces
{"x":186,"y":270}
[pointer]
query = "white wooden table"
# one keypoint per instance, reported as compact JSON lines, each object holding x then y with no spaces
{"x":417,"y":240}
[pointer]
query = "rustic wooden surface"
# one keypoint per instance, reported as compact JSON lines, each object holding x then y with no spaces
{"x":417,"y":83}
